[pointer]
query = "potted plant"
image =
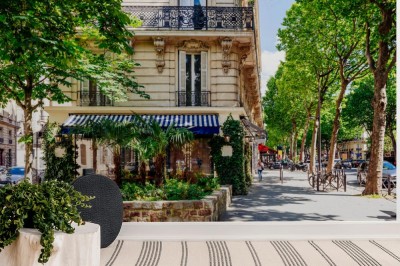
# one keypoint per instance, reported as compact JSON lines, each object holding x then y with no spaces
{"x":52,"y":205}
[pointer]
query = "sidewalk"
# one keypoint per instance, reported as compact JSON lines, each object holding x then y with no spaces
{"x":287,"y":224}
{"x":296,"y":200}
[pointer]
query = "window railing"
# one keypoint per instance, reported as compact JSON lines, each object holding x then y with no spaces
{"x":94,"y":99}
{"x":193,"y":98}
{"x":10,"y":141}
{"x":193,"y":17}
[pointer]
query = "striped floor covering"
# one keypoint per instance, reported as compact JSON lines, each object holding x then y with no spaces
{"x":248,"y":253}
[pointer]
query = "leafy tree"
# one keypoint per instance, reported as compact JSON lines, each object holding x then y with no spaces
{"x":46,"y":44}
{"x":116,"y":135}
{"x":380,"y":51}
{"x":157,"y":139}
{"x":93,"y":131}
{"x":359,"y":110}
{"x":303,"y":47}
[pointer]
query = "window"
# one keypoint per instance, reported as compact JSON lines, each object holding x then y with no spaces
{"x":193,"y":79}
{"x":91,"y":95}
{"x":192,"y":2}
{"x":83,"y":154}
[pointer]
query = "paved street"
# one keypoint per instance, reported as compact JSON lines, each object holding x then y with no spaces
{"x":295,"y":200}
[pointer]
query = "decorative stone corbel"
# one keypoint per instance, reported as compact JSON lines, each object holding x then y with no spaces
{"x":159,"y":45}
{"x":226,"y":44}
{"x":244,"y":51}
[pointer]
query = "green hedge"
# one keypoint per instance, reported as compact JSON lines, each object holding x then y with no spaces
{"x":173,"y":189}
{"x":231,"y":170}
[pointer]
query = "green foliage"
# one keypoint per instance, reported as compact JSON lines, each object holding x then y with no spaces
{"x":173,"y":189}
{"x":45,"y":45}
{"x":153,"y":141}
{"x":231,"y":170}
{"x":59,"y":168}
{"x":359,"y":110}
{"x":247,"y":164}
{"x":209,"y":184}
{"x":47,"y":207}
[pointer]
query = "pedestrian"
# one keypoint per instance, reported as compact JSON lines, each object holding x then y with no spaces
{"x":260,"y":168}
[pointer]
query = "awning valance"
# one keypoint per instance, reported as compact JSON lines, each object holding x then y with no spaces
{"x":198,"y":124}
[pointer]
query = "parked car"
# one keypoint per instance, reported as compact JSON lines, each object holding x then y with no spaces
{"x":357,"y":163}
{"x":348,"y":164}
{"x":341,"y":164}
{"x":388,"y":171}
{"x":14,"y":175}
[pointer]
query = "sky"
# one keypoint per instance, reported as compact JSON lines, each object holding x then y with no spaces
{"x":271,"y":13}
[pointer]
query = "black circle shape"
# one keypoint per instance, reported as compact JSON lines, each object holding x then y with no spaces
{"x":107,"y":207}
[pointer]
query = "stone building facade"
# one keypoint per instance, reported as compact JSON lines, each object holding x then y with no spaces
{"x":8,"y":138}
{"x":199,"y":62}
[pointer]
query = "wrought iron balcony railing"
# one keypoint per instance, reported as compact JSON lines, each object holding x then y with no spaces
{"x":193,"y":98}
{"x":94,"y":99}
{"x":193,"y":17}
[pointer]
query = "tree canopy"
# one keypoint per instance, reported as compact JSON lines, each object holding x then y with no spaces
{"x":45,"y":45}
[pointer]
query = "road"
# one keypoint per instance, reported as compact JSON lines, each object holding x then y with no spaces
{"x":296,"y":200}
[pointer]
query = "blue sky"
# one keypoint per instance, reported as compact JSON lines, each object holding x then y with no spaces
{"x":271,"y":14}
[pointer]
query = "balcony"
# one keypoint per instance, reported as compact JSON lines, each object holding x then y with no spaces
{"x":193,"y":17}
{"x":94,"y":99}
{"x":193,"y":98}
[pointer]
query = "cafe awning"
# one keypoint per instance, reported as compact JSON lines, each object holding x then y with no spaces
{"x":255,"y":131}
{"x":265,"y":149}
{"x":198,"y":124}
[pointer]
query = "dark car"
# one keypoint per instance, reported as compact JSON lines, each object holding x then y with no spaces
{"x":356,"y":163}
{"x":348,"y":164}
{"x":14,"y":175}
{"x":341,"y":164}
{"x":388,"y":171}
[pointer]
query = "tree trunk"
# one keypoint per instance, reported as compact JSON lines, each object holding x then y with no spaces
{"x":336,"y":124}
{"x":374,"y":176}
{"x":313,"y":146}
{"x":393,"y":140}
{"x":28,"y":134}
{"x":94,"y":152}
{"x":117,"y":166}
{"x":304,"y":137}
{"x":380,"y":68}
{"x":159,"y":165}
{"x":142,"y":172}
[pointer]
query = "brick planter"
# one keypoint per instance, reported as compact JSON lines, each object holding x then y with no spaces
{"x":205,"y":210}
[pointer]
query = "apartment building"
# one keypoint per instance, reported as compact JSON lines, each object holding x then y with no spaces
{"x":199,"y":62}
{"x":8,"y":138}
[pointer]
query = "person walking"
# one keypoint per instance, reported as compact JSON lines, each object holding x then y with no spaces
{"x":260,"y":168}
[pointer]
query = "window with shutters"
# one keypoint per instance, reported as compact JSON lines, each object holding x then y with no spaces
{"x":193,"y":79}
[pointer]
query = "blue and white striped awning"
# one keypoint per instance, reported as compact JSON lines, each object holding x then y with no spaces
{"x":198,"y":124}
